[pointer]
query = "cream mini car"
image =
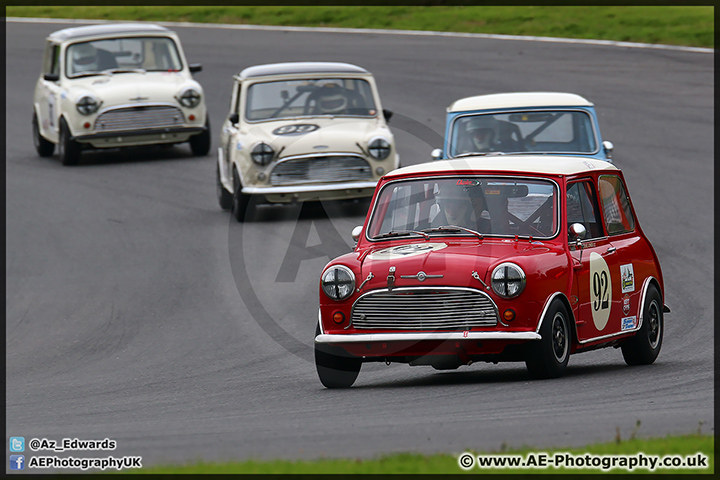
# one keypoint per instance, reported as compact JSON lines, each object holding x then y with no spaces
{"x":116,"y":85}
{"x":302,"y":131}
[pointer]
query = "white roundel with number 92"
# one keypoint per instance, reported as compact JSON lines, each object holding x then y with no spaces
{"x":600,"y":290}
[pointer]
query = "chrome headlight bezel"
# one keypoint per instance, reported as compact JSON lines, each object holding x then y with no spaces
{"x":189,"y":97}
{"x":335,"y":287}
{"x":508,"y":280}
{"x":262,"y":154}
{"x":87,"y":105}
{"x":379,"y":148}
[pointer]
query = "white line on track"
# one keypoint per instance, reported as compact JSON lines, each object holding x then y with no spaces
{"x":383,"y":32}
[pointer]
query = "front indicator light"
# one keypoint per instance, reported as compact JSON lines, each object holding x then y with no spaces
{"x":509,"y":315}
{"x":338,"y":317}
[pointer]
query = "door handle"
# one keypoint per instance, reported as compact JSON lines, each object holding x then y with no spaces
{"x":611,"y":250}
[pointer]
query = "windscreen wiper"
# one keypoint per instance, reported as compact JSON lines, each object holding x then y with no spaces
{"x":401,"y":233}
{"x":453,"y":229}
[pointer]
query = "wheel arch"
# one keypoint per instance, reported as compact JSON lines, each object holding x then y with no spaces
{"x":562,"y":298}
{"x":646,"y":286}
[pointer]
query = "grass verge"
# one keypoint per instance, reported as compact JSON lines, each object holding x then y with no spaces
{"x":688,"y":446}
{"x":672,"y":25}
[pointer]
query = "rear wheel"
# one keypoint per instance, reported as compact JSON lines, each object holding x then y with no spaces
{"x":335,"y":367}
{"x":548,"y":357}
{"x":225,"y":198}
{"x":43,"y":147}
{"x":644,"y":347}
{"x":241,"y":202}
{"x":68,"y":149}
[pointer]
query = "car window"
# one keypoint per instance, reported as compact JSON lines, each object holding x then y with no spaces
{"x":52,"y":59}
{"x":146,"y":53}
{"x":616,"y":205}
{"x":320,"y":96}
{"x":524,"y":131}
{"x":582,"y":207}
{"x":489,"y":205}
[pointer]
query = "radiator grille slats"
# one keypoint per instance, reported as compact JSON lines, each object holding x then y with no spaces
{"x":424,"y":309}
{"x":320,"y":169}
{"x":140,"y":117}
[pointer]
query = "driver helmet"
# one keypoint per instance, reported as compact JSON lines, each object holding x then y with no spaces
{"x":84,"y":57}
{"x":455,"y":202}
{"x":332,"y":100}
{"x":482,"y":131}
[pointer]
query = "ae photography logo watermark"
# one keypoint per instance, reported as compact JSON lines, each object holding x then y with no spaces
{"x":278,"y":252}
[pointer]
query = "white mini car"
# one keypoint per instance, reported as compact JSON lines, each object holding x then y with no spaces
{"x":302,"y":131}
{"x":116,"y":85}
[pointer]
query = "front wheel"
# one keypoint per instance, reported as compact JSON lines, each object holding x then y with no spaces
{"x":225,"y":198}
{"x":200,"y":143}
{"x":43,"y":147}
{"x":241,"y":207}
{"x":335,"y":367}
{"x":548,"y":357}
{"x":68,"y":149}
{"x":644,"y":347}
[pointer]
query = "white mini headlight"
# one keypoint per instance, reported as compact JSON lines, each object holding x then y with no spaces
{"x":87,"y":105}
{"x":262,"y":153}
{"x":379,"y":148}
{"x":338,"y":282}
{"x":189,"y":98}
{"x":508,"y":280}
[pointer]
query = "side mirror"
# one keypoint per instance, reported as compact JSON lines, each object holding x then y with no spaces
{"x":51,"y":77}
{"x":195,"y":67}
{"x":356,"y":233}
{"x":436,"y":154}
{"x":577,"y":232}
{"x":608,"y":146}
{"x":387,"y":114}
{"x":234,"y":118}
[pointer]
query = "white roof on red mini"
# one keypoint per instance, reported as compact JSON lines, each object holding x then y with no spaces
{"x":515,"y":164}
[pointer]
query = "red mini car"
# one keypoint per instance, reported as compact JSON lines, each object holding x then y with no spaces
{"x":492,"y":258}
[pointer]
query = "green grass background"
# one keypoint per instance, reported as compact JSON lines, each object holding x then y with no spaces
{"x":672,"y":25}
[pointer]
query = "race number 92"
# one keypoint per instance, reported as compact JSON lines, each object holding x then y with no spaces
{"x":600,"y":290}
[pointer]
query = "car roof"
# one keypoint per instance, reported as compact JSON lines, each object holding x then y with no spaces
{"x":556,"y":165}
{"x":105,"y":29}
{"x":300,"y":68}
{"x":519,"y":99}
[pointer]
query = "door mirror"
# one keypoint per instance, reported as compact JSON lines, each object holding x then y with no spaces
{"x":51,"y":77}
{"x":356,"y":233}
{"x":387,"y":114}
{"x":608,"y":146}
{"x":577,"y":232}
{"x":234,"y":118}
{"x":436,"y":154}
{"x":195,"y":67}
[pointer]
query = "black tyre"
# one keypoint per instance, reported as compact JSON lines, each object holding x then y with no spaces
{"x":240,"y":203}
{"x":68,"y":149}
{"x":225,"y":198}
{"x":644,"y":347}
{"x":200,"y":143}
{"x":548,"y":357}
{"x":335,"y":367}
{"x":43,"y":147}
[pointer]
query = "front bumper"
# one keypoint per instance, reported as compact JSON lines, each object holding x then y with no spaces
{"x":417,"y":337}
{"x":300,"y":193}
{"x":139,"y":137}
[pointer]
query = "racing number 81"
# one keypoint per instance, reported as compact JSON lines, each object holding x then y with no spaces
{"x":600,"y":284}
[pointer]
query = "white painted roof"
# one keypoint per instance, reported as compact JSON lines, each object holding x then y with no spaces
{"x":529,"y":164}
{"x":518,"y":100}
{"x":110,"y":29}
{"x":301,"y":68}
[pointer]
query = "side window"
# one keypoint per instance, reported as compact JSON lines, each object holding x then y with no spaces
{"x":582,"y":207}
{"x":235,"y":106}
{"x":616,"y":205}
{"x":52,"y":59}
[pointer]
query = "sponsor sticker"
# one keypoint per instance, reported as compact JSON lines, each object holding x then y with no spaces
{"x":628,"y":323}
{"x":627,"y":278}
{"x":626,"y":304}
{"x":403,"y":251}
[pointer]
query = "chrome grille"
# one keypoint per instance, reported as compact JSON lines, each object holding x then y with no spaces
{"x":424,"y":309}
{"x":140,"y":117}
{"x":320,"y":169}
